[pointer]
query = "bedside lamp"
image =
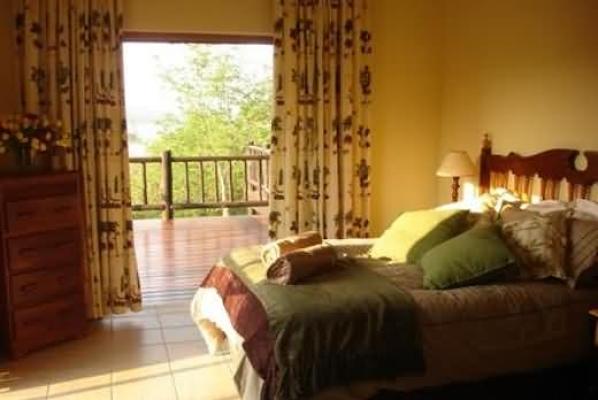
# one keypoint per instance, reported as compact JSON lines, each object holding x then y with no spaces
{"x":455,"y":165}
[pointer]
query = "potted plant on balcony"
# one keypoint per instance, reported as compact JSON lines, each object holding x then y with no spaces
{"x":28,"y":142}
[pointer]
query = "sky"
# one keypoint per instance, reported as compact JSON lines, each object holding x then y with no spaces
{"x":148,"y":99}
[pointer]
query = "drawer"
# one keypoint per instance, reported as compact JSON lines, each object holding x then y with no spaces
{"x":50,"y":322}
{"x":35,"y":287}
{"x":45,"y":250}
{"x":36,"y":186}
{"x":42,"y":213}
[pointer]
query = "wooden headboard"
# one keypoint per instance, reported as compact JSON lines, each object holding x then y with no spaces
{"x":552,"y":168}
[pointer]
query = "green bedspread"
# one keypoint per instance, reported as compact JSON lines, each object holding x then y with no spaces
{"x":348,"y":325}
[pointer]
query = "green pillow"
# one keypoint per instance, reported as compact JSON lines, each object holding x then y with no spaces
{"x":474,"y":257}
{"x":413,"y":233}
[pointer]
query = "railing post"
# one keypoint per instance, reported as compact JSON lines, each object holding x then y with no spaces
{"x":166,"y":165}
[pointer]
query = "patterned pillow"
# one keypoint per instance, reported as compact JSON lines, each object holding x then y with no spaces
{"x":547,"y":206}
{"x":499,"y":199}
{"x":538,"y":242}
{"x":583,"y":259}
{"x":584,"y":209}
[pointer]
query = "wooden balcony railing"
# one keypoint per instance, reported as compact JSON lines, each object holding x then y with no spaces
{"x":201,"y":182}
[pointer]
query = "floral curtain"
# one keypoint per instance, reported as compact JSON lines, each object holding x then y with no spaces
{"x":320,"y":167}
{"x":70,"y":61}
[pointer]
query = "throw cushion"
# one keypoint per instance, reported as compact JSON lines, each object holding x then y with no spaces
{"x":583,"y":260}
{"x":547,"y":206}
{"x":585,"y":209}
{"x":474,"y":257}
{"x":538,"y":242}
{"x":413,"y":233}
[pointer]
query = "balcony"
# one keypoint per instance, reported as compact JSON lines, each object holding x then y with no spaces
{"x":223,"y":200}
{"x":200,"y":183}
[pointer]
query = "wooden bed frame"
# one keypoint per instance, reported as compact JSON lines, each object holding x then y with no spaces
{"x":552,"y":168}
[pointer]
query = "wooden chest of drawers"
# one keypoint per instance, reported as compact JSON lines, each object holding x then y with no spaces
{"x":41,"y":244}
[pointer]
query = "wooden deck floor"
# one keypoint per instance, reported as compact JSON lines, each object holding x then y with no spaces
{"x":174,"y":256}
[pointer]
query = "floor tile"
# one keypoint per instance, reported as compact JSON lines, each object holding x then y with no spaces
{"x":124,"y":364}
{"x":94,"y":387}
{"x":155,"y":388}
{"x":146,"y":311}
{"x":190,"y":355}
{"x":33,"y":367}
{"x":132,"y":323}
{"x":176,"y":320}
{"x":140,"y":372}
{"x":137,"y":337}
{"x":137,"y":357}
{"x":181,"y":334}
{"x":23,"y":390}
{"x":92,"y":349}
{"x":215,"y":382}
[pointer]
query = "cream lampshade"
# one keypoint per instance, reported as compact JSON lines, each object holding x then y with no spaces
{"x":455,"y":165}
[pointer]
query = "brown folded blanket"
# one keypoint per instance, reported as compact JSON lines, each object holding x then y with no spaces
{"x":272,"y":251}
{"x":300,"y":265}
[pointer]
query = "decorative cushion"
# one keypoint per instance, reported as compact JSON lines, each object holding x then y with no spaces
{"x":499,"y":199}
{"x":584,"y":209}
{"x":538,"y":242}
{"x":488,"y":203}
{"x":413,"y":233}
{"x":477,"y":207}
{"x":547,"y":206}
{"x":474,"y":257}
{"x":583,"y":260}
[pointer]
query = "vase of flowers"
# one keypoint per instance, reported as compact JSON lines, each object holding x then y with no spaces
{"x":28,"y":142}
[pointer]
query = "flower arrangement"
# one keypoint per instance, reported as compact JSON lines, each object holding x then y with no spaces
{"x":28,"y":134}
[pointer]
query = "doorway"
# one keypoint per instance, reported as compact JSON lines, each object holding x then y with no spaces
{"x":198,"y":117}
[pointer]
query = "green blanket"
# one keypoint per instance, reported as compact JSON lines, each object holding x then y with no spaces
{"x":351,"y":324}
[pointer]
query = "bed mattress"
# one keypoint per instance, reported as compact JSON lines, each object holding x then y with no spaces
{"x":468,"y":333}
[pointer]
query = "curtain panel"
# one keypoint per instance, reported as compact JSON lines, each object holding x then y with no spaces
{"x":70,"y":61}
{"x":320,"y":150}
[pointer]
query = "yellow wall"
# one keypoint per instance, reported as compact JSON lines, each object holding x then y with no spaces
{"x":8,"y":82}
{"x":204,"y":16}
{"x":405,"y":114}
{"x":524,"y":70}
{"x":445,"y":71}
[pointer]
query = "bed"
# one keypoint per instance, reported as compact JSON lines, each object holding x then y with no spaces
{"x":470,"y":333}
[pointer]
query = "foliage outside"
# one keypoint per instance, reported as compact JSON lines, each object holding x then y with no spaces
{"x":223,"y":108}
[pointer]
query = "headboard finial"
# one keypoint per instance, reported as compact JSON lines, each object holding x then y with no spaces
{"x":485,"y":156}
{"x":486,"y":142}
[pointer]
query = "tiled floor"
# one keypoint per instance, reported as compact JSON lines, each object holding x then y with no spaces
{"x":156,"y":354}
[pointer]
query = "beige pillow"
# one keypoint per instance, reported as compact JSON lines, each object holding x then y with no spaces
{"x":547,"y":206}
{"x":584,"y":209}
{"x":583,"y":259}
{"x":478,"y":212}
{"x":499,"y":199}
{"x":485,"y":209}
{"x":538,"y":242}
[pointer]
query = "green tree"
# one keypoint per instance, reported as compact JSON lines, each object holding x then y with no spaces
{"x":223,"y":107}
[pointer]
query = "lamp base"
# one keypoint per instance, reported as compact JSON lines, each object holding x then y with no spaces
{"x":455,"y":187}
